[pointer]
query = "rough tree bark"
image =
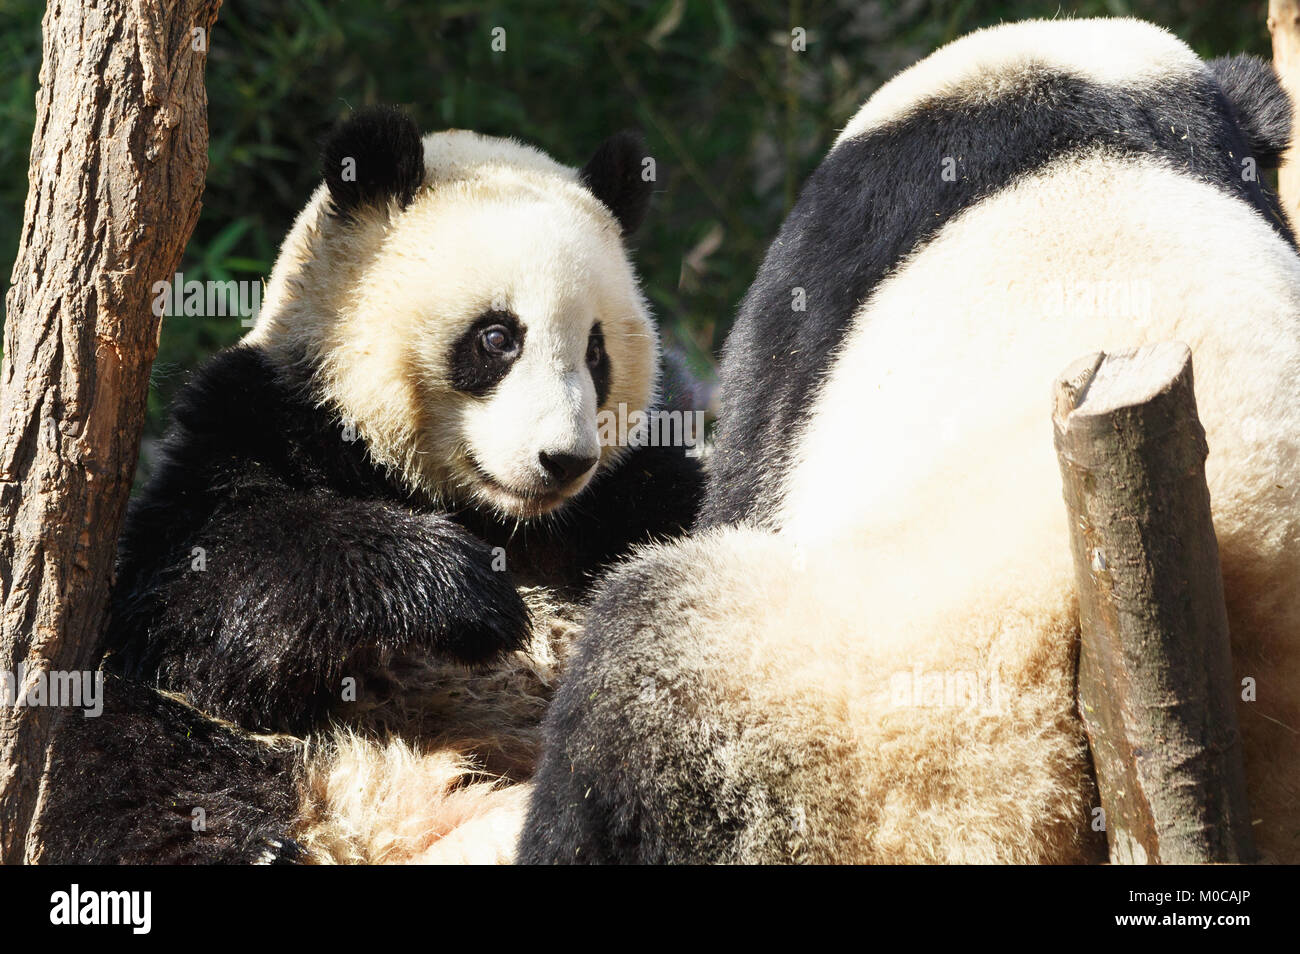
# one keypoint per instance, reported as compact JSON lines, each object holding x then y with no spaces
{"x":1155,"y":670}
{"x":116,"y":174}
{"x":1284,"y":25}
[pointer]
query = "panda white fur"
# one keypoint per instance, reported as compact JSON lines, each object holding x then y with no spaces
{"x":344,"y":597}
{"x":884,"y":497}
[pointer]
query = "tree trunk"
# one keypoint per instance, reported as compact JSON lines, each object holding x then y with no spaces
{"x":1155,"y":668}
{"x":118,"y":161}
{"x":1284,"y":25}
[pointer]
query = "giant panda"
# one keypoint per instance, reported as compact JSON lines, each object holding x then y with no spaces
{"x":346,"y":593}
{"x":884,"y":497}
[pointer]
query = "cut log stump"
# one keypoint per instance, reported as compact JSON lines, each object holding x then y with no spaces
{"x":1155,"y":671}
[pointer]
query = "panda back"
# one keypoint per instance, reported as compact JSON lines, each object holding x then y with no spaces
{"x":935,"y":147}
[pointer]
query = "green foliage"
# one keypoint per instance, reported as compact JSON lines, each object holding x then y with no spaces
{"x":20,"y":62}
{"x":734,"y":116}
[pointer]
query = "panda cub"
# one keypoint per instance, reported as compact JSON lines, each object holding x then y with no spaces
{"x":884,"y":498}
{"x":398,"y":474}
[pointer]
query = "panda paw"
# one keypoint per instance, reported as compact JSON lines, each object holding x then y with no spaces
{"x":475,"y":612}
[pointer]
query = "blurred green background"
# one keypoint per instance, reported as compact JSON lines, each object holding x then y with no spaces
{"x":735,"y":118}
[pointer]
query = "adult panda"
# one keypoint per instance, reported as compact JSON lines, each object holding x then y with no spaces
{"x":884,"y":497}
{"x":379,"y":511}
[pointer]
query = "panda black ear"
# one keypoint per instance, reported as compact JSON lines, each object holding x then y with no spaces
{"x":372,"y":157}
{"x":1261,"y":105}
{"x":614,"y":176}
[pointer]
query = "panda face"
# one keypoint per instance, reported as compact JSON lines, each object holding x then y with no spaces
{"x":473,"y":333}
{"x":530,"y":440}
{"x":528,"y":328}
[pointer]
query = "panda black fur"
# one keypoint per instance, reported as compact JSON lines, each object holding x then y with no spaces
{"x":360,"y":493}
{"x":123,"y":787}
{"x":883,"y":497}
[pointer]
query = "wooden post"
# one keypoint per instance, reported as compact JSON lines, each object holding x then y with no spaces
{"x":116,"y":173}
{"x":1284,"y":26}
{"x":1155,"y":672}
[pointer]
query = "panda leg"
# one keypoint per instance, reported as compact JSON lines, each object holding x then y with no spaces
{"x":737,"y":700}
{"x":152,"y":781}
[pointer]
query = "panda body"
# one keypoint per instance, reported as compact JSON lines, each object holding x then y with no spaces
{"x":345,"y":596}
{"x":883,"y":508}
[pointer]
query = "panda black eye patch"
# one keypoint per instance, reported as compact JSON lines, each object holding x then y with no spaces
{"x":598,"y":363}
{"x":485,"y":352}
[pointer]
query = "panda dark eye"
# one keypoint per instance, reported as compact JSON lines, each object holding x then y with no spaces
{"x":595,"y":349}
{"x":598,"y":363}
{"x":498,"y":341}
{"x":485,"y":352}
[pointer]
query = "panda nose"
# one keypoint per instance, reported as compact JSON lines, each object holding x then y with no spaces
{"x":565,"y":468}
